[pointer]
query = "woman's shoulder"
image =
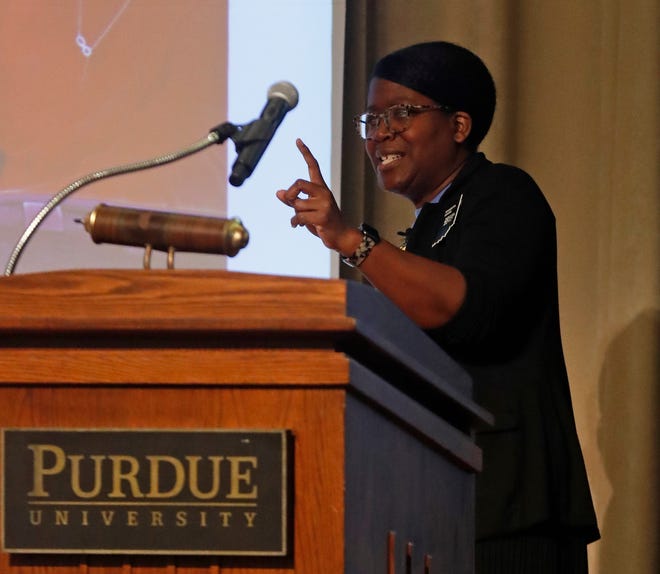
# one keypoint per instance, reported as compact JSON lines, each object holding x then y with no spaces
{"x":502,"y":182}
{"x":501,"y":173}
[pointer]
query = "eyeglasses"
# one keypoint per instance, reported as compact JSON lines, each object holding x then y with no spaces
{"x":396,"y":118}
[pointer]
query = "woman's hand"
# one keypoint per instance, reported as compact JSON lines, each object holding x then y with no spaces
{"x":430,"y":293}
{"x":318,"y":211}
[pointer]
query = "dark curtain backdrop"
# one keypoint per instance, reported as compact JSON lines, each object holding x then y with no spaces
{"x":578,"y":109}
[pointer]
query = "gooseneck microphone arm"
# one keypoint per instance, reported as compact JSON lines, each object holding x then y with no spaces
{"x":217,"y":135}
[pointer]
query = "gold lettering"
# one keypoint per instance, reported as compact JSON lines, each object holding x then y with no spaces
{"x":179,"y":474}
{"x":193,"y":464}
{"x":35,"y":517}
{"x":156,"y":518}
{"x":202,"y":518}
{"x":224,"y":517}
{"x":182,"y":518}
{"x":61,"y":518}
{"x":129,"y":476}
{"x":249,"y":518}
{"x":240,"y":475}
{"x":75,"y":475}
{"x":131,"y":518}
{"x":40,"y":469}
{"x":85,"y":518}
{"x":108,"y":516}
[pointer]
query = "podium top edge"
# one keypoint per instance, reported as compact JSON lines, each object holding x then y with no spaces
{"x":114,"y":300}
{"x":352,"y":317}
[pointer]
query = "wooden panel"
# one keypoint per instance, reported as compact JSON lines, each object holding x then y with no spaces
{"x":315,"y":417}
{"x":170,"y":366}
{"x":170,"y":300}
{"x":200,"y":350}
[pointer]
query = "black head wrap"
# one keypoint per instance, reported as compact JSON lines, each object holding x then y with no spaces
{"x":448,"y":74}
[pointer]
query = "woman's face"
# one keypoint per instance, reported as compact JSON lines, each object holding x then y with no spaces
{"x":414,"y":163}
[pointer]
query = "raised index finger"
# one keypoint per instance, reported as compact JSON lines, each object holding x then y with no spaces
{"x":313,"y":168}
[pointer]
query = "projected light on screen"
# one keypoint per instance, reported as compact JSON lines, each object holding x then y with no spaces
{"x":95,"y":85}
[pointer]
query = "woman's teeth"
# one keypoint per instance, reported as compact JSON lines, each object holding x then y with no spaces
{"x":387,"y":159}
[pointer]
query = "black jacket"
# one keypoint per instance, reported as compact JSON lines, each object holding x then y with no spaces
{"x":496,"y":227}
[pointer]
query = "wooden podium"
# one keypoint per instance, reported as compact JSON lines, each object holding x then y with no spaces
{"x":381,"y":420}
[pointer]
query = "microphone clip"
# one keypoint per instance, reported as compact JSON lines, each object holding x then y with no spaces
{"x":250,"y":133}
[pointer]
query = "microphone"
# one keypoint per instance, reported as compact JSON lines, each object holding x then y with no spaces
{"x":252,"y":141}
{"x":164,"y":231}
